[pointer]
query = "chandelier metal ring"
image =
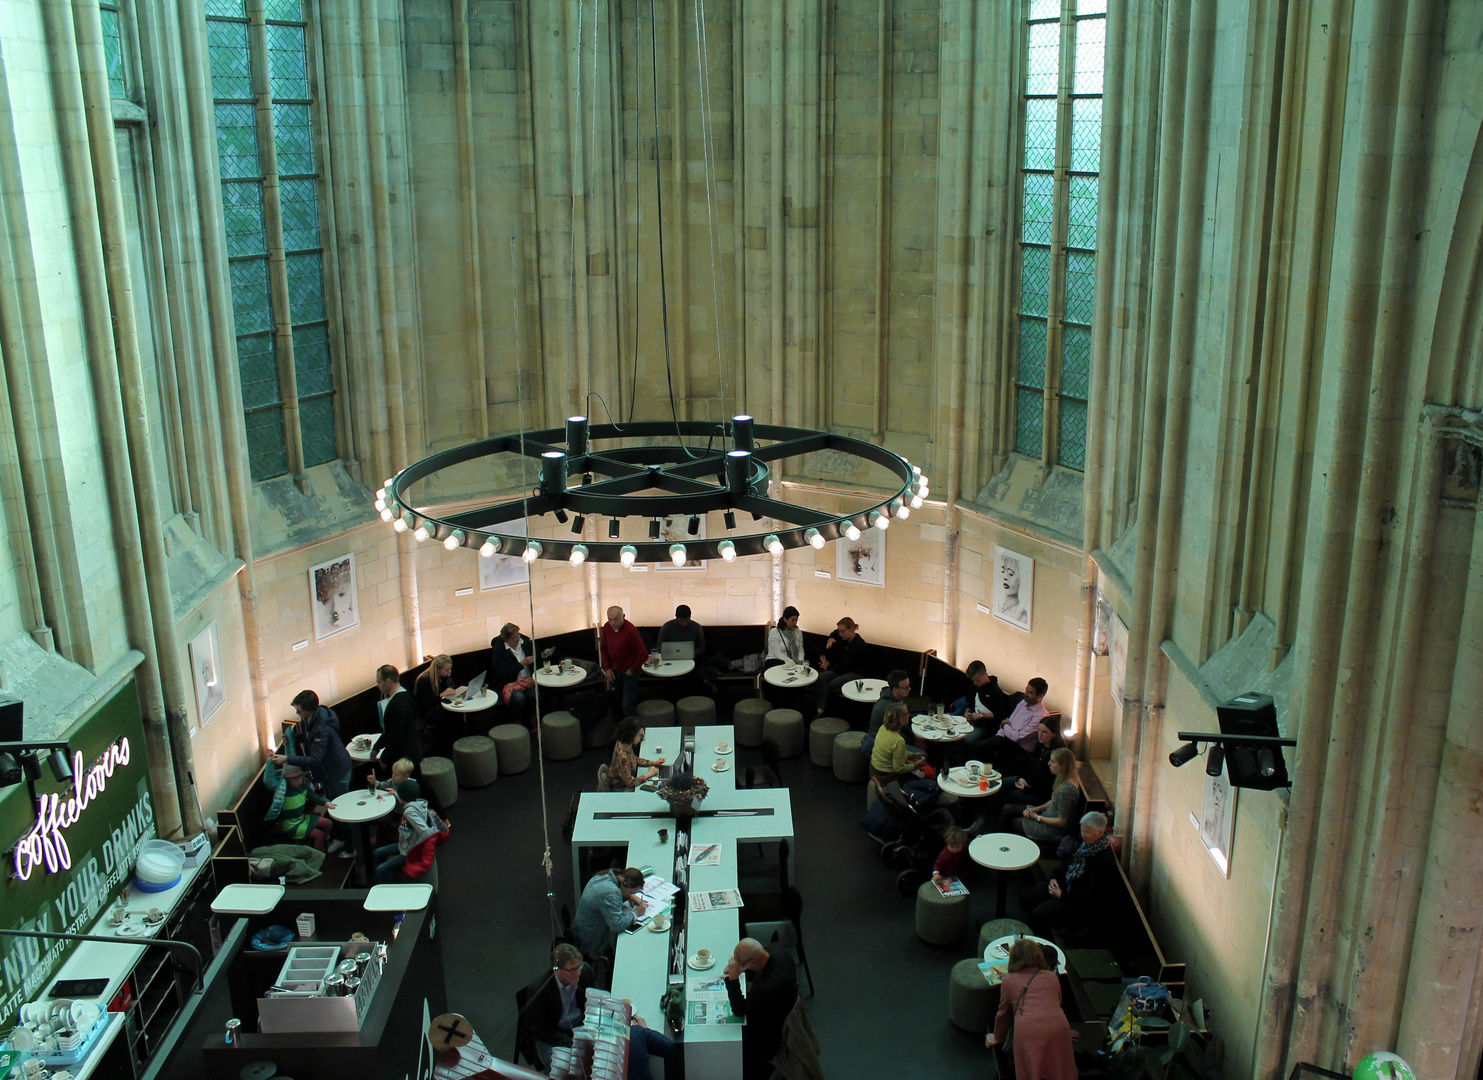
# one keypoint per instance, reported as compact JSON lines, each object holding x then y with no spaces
{"x":649,"y":479}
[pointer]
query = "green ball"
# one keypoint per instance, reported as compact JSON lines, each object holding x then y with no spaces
{"x":1383,"y":1066}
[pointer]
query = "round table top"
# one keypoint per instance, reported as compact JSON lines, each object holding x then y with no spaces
{"x":867,"y":690}
{"x":998,"y":949}
{"x":362,"y":748}
{"x":949,"y":780}
{"x":927,"y":727}
{"x":487,"y":699}
{"x":355,"y":807}
{"x":790,"y":675}
{"x":668,"y":669}
{"x":1004,"y":851}
{"x":556,"y":679}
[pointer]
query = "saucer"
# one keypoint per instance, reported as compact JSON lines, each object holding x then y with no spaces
{"x":721,"y":766}
{"x":724,"y":748}
{"x":661,"y":929}
{"x":690,"y":961}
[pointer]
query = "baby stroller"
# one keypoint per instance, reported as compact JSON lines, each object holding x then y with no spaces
{"x":913,"y":838}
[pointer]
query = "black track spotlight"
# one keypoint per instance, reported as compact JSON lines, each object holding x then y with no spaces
{"x":1266,"y":763}
{"x":654,"y":529}
{"x":1215,"y":760}
{"x":1184,"y":754}
{"x":561,"y":515}
{"x":31,"y":762}
{"x":577,"y":523}
{"x":694,"y":527}
{"x":10,"y":770}
{"x":730,"y":519}
{"x":60,"y":768}
{"x":612,"y":528}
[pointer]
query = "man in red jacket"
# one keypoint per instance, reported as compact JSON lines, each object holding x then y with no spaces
{"x":622,"y":654}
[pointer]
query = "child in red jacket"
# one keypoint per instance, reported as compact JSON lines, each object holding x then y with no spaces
{"x":954,"y":853}
{"x":419,"y":834}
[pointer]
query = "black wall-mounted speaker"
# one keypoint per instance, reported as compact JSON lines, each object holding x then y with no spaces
{"x":12,"y":719}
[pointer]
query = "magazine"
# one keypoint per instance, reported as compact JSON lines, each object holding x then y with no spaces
{"x":951,"y":886}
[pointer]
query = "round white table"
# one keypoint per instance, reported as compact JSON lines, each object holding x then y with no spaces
{"x":362,"y":752}
{"x":360,"y":808}
{"x":486,"y":699}
{"x":556,"y":679}
{"x":865,"y":690}
{"x":955,"y":781}
{"x":1006,"y":853}
{"x":998,"y":949}
{"x":669,"y":669}
{"x":789,"y":675}
{"x":928,"y":729}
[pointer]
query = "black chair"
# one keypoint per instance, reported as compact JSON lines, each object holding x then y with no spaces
{"x":769,"y":906}
{"x":793,"y":909}
{"x":770,"y":772}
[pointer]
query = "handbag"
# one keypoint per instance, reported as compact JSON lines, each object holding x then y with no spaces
{"x":1018,"y":1004}
{"x":510,"y":688}
{"x":1146,"y":997}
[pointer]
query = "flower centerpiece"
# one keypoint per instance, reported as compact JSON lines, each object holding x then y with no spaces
{"x":682,"y":791}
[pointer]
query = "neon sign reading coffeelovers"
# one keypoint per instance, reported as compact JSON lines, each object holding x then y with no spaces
{"x":44,"y":843}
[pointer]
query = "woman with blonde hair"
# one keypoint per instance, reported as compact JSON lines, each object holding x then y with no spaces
{"x":1052,"y":819}
{"x":433,"y":687}
{"x":1030,"y":1004}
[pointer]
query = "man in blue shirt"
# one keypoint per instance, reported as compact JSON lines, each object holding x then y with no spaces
{"x":642,"y":1042}
{"x":609,"y":904}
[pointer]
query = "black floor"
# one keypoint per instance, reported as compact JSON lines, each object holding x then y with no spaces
{"x":880,"y":1007}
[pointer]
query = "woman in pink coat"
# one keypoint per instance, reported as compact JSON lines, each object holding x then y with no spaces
{"x":1030,"y":1001}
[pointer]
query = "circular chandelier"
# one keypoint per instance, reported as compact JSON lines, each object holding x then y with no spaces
{"x":649,"y":479}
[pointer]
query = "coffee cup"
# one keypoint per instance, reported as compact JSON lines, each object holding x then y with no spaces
{"x":983,"y":783}
{"x":661,"y":922}
{"x":703,"y":957}
{"x":720,"y":763}
{"x":664,"y":836}
{"x":723,"y":747}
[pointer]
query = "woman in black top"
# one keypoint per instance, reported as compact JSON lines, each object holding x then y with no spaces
{"x":432,"y":687}
{"x":1029,"y":786}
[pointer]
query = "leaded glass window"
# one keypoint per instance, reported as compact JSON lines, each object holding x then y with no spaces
{"x":113,"y":49}
{"x":1064,"y":46}
{"x":262,"y":82}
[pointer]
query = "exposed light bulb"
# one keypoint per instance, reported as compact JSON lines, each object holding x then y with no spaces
{"x":627,"y":554}
{"x":420,"y":533}
{"x":916,"y":502}
{"x":387,"y":483}
{"x":454,"y":539}
{"x":380,"y":503}
{"x":916,"y":470}
{"x":727,"y":550}
{"x":774,"y":545}
{"x":903,"y":511}
{"x":578,"y":555}
{"x":532,"y":551}
{"x":882,"y":521}
{"x":814,"y":537}
{"x":852,"y":531}
{"x":487,"y":549}
{"x":923,"y":490}
{"x":403,"y":523}
{"x":386,"y":514}
{"x":677,"y":554}
{"x":922,"y":480}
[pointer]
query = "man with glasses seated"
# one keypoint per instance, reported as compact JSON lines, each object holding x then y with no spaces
{"x":897,"y":689}
{"x":557,"y":1004}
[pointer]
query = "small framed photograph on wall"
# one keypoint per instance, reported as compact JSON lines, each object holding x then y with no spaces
{"x":333,"y":598}
{"x":1013,"y":583}
{"x":676,"y":530}
{"x":1218,"y":820}
{"x":498,"y":571}
{"x":205,"y":654}
{"x":863,"y":560}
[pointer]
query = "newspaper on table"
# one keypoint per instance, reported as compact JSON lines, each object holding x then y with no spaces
{"x":715,"y":899}
{"x":708,"y":1005}
{"x":705,"y":855}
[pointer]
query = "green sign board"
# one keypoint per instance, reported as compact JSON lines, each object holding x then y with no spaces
{"x":80,"y":852}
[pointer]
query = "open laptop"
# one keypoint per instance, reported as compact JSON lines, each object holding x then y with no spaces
{"x":677,"y":650}
{"x":476,"y":685}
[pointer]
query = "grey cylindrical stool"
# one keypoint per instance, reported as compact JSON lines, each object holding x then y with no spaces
{"x":971,"y":1001}
{"x":513,"y":743}
{"x":439,"y":778}
{"x":561,"y":736}
{"x":941,"y":920}
{"x":821,"y":735}
{"x":601,"y":735}
{"x":695,"y":711}
{"x":785,"y":727}
{"x":657,"y":713}
{"x":871,"y":795}
{"x":998,"y":928}
{"x":747,"y":718}
{"x":475,"y":761}
{"x":849,"y":760}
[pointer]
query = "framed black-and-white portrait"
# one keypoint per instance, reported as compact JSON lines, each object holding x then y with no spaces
{"x":862,"y":561}
{"x":206,"y":673}
{"x":499,"y":571}
{"x":333,"y":598}
{"x":1117,"y":654}
{"x":676,"y":530}
{"x":1218,"y":820}
{"x":1013,"y":585}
